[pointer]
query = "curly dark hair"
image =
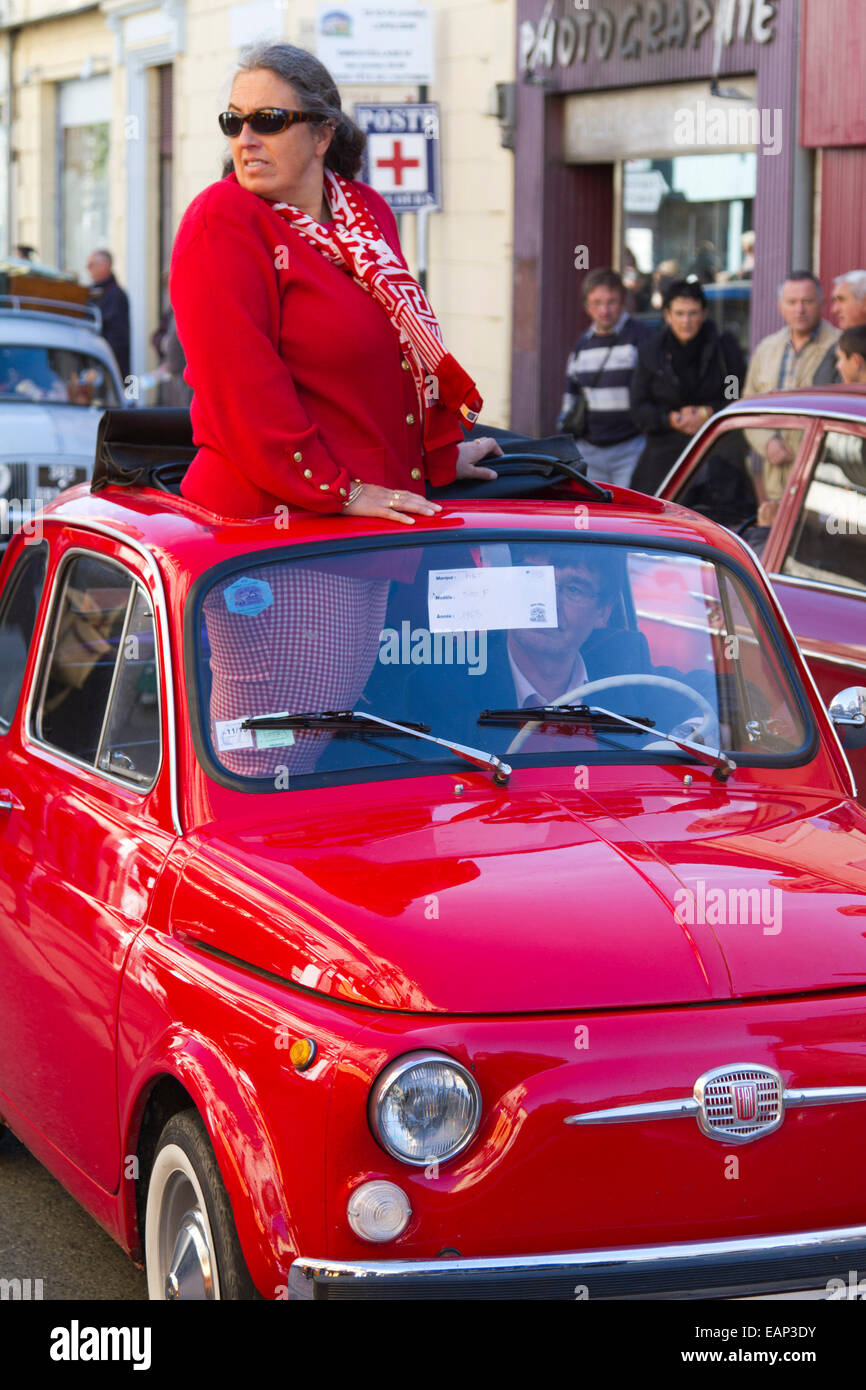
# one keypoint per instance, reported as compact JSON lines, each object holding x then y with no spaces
{"x":684,"y":289}
{"x":318,"y":92}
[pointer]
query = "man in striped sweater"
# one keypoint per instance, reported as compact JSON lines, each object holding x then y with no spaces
{"x":601,"y":367}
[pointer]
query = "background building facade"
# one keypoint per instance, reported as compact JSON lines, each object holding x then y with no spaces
{"x":108,"y":131}
{"x":722,"y":138}
{"x":651,"y":137}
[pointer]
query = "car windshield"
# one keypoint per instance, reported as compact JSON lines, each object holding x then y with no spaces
{"x":62,"y":375}
{"x":462,"y":638}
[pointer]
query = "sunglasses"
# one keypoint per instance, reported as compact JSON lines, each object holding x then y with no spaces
{"x":270,"y":120}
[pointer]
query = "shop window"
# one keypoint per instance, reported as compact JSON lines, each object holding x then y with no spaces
{"x":690,"y":216}
{"x":84,"y":118}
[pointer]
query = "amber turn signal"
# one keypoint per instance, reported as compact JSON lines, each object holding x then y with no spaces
{"x":302,"y":1053}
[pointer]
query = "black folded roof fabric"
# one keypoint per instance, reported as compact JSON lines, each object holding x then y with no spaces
{"x":143,"y":448}
{"x":153,"y":447}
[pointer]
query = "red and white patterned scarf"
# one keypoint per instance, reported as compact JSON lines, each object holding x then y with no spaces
{"x":354,"y":241}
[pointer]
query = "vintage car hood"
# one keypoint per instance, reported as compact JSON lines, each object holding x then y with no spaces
{"x":522,"y":902}
{"x":31,"y":429}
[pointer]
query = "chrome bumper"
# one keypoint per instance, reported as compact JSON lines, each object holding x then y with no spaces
{"x":705,"y":1269}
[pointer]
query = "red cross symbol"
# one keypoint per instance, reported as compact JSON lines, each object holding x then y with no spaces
{"x":398,"y":163}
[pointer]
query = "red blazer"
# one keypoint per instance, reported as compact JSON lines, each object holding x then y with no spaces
{"x":298,"y":378}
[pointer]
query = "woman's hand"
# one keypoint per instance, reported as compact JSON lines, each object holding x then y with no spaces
{"x":690,"y":418}
{"x":468,"y":454}
{"x":390,"y":504}
{"x":403,"y":506}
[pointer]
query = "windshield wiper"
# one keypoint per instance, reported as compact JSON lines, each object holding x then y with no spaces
{"x":722,"y":765}
{"x":348,"y":719}
{"x":550,"y":714}
{"x":326,"y":719}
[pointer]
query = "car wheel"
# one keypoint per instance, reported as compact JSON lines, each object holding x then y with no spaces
{"x":191,"y":1245}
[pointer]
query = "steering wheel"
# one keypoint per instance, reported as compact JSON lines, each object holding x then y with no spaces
{"x":707,"y":731}
{"x":744,"y":525}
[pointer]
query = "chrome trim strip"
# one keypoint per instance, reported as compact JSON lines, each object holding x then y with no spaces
{"x":825,"y":1095}
{"x":801,"y":412}
{"x":844,"y":589}
{"x":807,"y":652}
{"x":161,"y":610}
{"x":677,"y":1109}
{"x":305,"y":1268}
{"x":623,"y":1114}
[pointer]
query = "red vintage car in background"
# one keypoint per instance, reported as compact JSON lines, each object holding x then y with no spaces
{"x":429,"y":914}
{"x":815,"y":549}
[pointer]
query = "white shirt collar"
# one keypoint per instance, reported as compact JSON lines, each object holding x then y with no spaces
{"x":524,"y":688}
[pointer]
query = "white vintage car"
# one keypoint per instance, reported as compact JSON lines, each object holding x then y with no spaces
{"x":57,"y":375}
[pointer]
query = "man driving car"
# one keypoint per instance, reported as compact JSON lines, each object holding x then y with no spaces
{"x":532,"y":666}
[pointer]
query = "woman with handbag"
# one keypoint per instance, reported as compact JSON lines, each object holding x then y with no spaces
{"x":595,"y":406}
{"x":319,"y":374}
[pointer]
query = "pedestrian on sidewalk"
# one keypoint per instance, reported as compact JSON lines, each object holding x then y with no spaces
{"x":782,"y":361}
{"x":849,"y":311}
{"x":106,"y":295}
{"x":595,"y":406}
{"x":685,"y":373}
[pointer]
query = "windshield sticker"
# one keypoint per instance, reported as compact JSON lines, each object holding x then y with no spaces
{"x":229,"y":734}
{"x":274,"y":738}
{"x":470,"y":600}
{"x":248,"y":596}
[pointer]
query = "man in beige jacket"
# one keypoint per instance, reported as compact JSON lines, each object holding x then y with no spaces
{"x":780,"y":362}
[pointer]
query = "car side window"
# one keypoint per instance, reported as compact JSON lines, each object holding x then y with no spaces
{"x":18,"y":609}
{"x":828,"y":543}
{"x":721,"y":485}
{"x":131,"y":743}
{"x":99,"y":696}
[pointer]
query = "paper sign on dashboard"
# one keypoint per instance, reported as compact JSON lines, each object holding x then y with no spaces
{"x":470,"y":600}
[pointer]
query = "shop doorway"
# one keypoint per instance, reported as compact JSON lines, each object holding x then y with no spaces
{"x":689,"y":217}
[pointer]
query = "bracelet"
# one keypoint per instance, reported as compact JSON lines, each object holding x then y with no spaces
{"x":353,"y":494}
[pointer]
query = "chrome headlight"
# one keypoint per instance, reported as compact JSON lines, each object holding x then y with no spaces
{"x":424,"y":1107}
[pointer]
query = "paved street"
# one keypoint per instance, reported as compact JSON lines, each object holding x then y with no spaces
{"x":46,"y":1235}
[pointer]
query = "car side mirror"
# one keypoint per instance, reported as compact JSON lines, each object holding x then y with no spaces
{"x":848,"y":713}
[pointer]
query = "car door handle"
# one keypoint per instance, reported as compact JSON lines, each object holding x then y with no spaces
{"x":8,"y":802}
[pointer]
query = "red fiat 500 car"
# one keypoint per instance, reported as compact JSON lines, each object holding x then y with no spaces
{"x":475,"y":910}
{"x":814,"y":547}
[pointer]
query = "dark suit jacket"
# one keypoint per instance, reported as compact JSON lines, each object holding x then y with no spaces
{"x":113,"y":304}
{"x":826,"y":372}
{"x":460,"y":696}
{"x":450,"y":699}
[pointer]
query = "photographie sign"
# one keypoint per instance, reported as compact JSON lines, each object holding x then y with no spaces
{"x":367,"y":43}
{"x":401,"y":160}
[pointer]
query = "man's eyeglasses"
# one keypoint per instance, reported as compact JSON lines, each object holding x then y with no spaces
{"x":576,"y":591}
{"x":269,"y":120}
